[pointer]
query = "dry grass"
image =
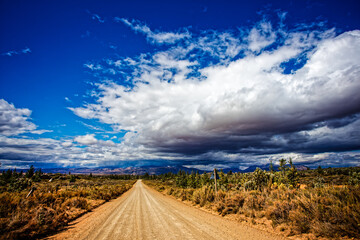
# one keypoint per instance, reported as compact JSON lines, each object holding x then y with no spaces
{"x":330,"y":211}
{"x":53,"y":205}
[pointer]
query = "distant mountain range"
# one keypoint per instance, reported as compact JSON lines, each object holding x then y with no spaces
{"x":147,"y":169}
{"x":124,"y":171}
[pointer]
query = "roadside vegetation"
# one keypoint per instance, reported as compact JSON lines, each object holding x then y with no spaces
{"x":34,"y":204}
{"x":310,"y":204}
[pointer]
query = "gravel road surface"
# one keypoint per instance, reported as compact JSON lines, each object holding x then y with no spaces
{"x":143,"y":213}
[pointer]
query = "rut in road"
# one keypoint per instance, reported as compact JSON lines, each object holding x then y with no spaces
{"x":143,"y":213}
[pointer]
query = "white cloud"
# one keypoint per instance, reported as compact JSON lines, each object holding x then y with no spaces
{"x":154,"y":37}
{"x":48,"y":152}
{"x":41,"y":131}
{"x":222,"y":45}
{"x":261,"y":36}
{"x":243,"y":100}
{"x":90,"y":140}
{"x":16,"y":52}
{"x":14,"y":121}
{"x":87,"y":139}
{"x":67,"y":143}
{"x":92,"y":66}
{"x":92,"y":127}
{"x":17,"y":150}
{"x":96,"y":17}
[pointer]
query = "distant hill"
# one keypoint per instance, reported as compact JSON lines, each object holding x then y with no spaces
{"x":263,"y":167}
{"x":148,"y":169}
{"x":116,"y":170}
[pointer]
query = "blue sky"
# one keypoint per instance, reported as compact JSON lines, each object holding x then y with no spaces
{"x":200,"y":83}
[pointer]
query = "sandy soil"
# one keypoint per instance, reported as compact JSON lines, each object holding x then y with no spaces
{"x":143,"y":213}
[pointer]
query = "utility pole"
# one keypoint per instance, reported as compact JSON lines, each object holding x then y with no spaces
{"x":215,"y":181}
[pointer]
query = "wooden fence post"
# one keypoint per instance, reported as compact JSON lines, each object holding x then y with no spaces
{"x":215,"y":181}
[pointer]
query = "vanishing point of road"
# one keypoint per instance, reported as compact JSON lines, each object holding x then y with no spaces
{"x":143,"y":213}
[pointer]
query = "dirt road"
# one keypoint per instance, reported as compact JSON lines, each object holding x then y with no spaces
{"x":143,"y":213}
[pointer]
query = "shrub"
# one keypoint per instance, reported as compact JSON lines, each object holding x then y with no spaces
{"x":354,"y":179}
{"x":300,"y":221}
{"x":30,"y":172}
{"x":250,"y":185}
{"x":72,"y":178}
{"x":233,"y":204}
{"x":279,"y":213}
{"x":254,"y":202}
{"x":260,"y":178}
{"x":319,"y":182}
{"x":19,"y":184}
{"x":76,"y":202}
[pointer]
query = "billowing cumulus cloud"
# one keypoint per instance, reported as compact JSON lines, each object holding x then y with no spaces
{"x":196,"y":99}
